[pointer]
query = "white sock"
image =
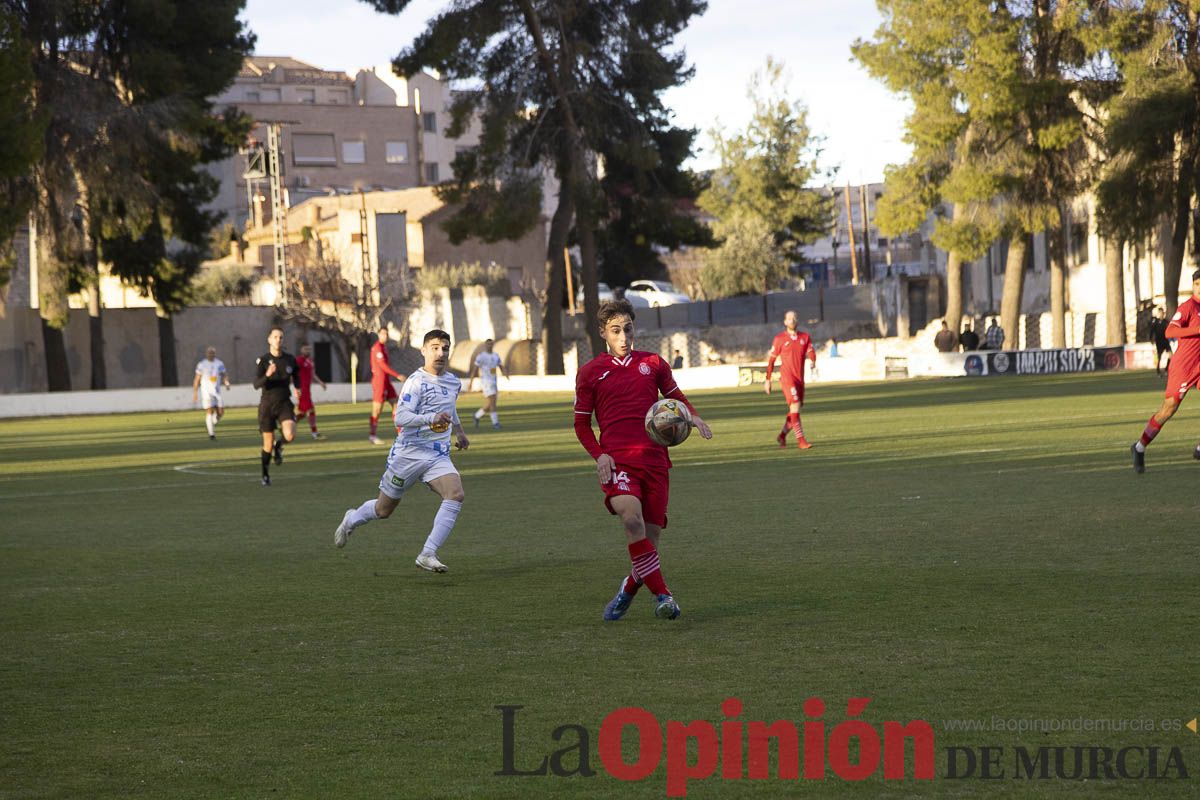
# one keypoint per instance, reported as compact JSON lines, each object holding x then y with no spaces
{"x":495,"y":418}
{"x":363,"y":514}
{"x":1141,"y":448}
{"x":443,"y":523}
{"x":210,"y":422}
{"x":479,"y":414}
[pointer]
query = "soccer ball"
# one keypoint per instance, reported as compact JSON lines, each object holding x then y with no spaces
{"x":668,"y":422}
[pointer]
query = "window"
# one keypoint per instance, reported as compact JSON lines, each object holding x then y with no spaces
{"x":338,"y":97}
{"x":308,"y":96}
{"x":354,"y":152}
{"x":313,"y":148}
{"x":431,"y":173}
{"x":252,"y":97}
{"x":429,"y":121}
{"x":397,"y":152}
{"x":1079,"y":243}
{"x":270,"y":95}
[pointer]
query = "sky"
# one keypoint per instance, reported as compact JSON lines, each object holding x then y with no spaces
{"x":862,"y":122}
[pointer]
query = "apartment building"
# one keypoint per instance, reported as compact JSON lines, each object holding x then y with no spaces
{"x":373,"y":131}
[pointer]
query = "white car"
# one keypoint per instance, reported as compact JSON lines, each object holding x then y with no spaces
{"x":602,"y":291}
{"x":605,"y":293}
{"x":656,"y":293}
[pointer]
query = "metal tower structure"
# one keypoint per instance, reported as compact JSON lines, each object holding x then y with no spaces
{"x":278,"y":213}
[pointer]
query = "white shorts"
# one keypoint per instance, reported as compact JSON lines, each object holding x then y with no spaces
{"x":488,"y":387}
{"x":211,"y":400}
{"x":407,"y":467}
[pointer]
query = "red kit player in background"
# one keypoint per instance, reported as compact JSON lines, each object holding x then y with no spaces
{"x":381,"y":385}
{"x":791,"y":347}
{"x":307,"y":370}
{"x":1183,"y":371}
{"x":619,"y":387}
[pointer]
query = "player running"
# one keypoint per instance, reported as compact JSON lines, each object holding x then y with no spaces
{"x":1183,"y":371}
{"x":619,"y":387}
{"x":421,"y":452}
{"x":381,"y":385}
{"x":487,"y":364}
{"x":307,"y":370}
{"x":276,"y":373}
{"x":791,"y":347}
{"x":210,"y":377}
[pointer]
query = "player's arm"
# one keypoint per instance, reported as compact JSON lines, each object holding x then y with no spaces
{"x":669,"y":388}
{"x":260,"y":373}
{"x":1181,"y":328}
{"x":460,"y":435}
{"x":408,"y":410}
{"x":196,"y":386}
{"x":771,"y":356}
{"x":585,"y":405}
{"x":224,"y":375}
{"x":384,"y":366}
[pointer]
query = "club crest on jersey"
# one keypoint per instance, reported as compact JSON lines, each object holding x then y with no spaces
{"x":644,"y":368}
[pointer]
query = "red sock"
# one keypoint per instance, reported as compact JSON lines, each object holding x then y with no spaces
{"x":374,"y":425}
{"x":645,"y":564}
{"x":632,"y":584}
{"x":787,"y":426}
{"x":312,"y":420}
{"x":797,"y":428}
{"x":1152,"y":429}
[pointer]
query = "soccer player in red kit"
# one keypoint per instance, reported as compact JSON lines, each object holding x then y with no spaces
{"x":381,"y":385}
{"x":791,"y":347}
{"x":307,"y":369}
{"x":1183,"y":371}
{"x":619,"y":387}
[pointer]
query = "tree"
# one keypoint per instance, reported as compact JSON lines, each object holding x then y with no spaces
{"x":998,"y":72}
{"x":562,"y":82}
{"x":748,"y":261}
{"x":766,"y":174}
{"x":124,"y":90}
{"x":1151,"y":133}
{"x":21,"y":130}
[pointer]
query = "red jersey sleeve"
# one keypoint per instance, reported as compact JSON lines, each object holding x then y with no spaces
{"x":585,"y":404}
{"x":1183,"y":324}
{"x":668,"y":386}
{"x":379,"y":362}
{"x":771,"y":356}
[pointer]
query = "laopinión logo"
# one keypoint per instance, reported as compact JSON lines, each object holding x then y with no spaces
{"x":734,"y":749}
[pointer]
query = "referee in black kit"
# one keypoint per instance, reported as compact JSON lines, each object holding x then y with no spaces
{"x":276,"y":374}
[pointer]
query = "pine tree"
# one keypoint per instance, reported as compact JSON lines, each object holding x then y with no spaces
{"x":563,"y":82}
{"x":123,"y":89}
{"x":766,"y":181}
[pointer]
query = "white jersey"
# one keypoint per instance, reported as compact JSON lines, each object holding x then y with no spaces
{"x":487,"y":363}
{"x":212,"y":375}
{"x":422,"y":398}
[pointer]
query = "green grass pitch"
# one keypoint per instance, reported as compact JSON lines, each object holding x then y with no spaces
{"x":953,"y":550}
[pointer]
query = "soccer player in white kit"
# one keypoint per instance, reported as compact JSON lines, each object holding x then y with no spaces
{"x":425,"y":417}
{"x":210,"y":377}
{"x":487,"y":364}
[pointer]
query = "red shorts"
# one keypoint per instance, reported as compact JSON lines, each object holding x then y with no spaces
{"x":383,"y":392}
{"x":793,"y":388}
{"x":651,"y":485}
{"x":305,"y":405}
{"x":1180,"y":378}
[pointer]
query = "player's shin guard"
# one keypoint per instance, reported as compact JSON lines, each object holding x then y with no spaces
{"x":1152,"y":429}
{"x":632,"y":583}
{"x":210,"y":422}
{"x":644,"y":556}
{"x":266,"y":460}
{"x":794,"y":424}
{"x":312,"y":421}
{"x":374,"y":425}
{"x":443,"y":524}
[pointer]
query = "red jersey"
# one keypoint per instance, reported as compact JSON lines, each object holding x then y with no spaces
{"x":305,"y":368}
{"x":1187,"y":355}
{"x":380,"y":366}
{"x":791,"y":349}
{"x":620,"y":391}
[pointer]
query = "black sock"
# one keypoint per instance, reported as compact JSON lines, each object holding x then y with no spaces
{"x":266,"y":459}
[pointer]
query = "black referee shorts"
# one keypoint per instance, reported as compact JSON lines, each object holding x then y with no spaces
{"x":269,"y":413}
